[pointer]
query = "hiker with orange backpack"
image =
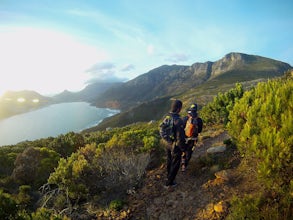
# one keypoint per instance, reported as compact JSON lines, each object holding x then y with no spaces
{"x":192,"y":127}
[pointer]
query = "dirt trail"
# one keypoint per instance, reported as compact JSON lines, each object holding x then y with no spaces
{"x":192,"y":198}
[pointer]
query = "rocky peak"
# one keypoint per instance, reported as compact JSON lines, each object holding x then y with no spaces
{"x":234,"y":56}
{"x":201,"y":69}
{"x":231,"y":61}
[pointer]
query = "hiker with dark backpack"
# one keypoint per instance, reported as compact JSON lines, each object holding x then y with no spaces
{"x":172,"y":132}
{"x":192,"y":127}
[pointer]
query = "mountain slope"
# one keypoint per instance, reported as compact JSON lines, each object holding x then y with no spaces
{"x":197,"y":83}
{"x":175,"y":79}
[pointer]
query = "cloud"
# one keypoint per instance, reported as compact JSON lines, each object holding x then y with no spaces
{"x":104,"y":72}
{"x":150,"y":49}
{"x":101,"y":69}
{"x":127,"y":67}
{"x":110,"y":79}
{"x":177,"y":58}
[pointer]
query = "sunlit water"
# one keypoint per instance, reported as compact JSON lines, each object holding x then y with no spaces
{"x":51,"y":121}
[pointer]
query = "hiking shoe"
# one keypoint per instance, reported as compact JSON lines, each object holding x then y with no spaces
{"x":174,"y":184}
{"x":171,"y":187}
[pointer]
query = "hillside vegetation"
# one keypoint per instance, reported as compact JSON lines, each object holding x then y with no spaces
{"x":261,"y":124}
{"x":92,"y":175}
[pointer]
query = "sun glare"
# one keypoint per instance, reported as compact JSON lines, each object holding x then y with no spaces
{"x":55,"y":61}
{"x":35,"y":100}
{"x":21,"y":100}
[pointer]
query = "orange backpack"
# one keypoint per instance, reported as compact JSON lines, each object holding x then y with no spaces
{"x":193,"y":126}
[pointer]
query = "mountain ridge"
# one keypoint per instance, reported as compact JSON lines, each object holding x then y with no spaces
{"x":201,"y":86}
{"x":175,"y":79}
{"x":167,"y":81}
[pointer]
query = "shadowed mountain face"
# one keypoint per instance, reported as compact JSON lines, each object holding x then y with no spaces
{"x":171,"y":80}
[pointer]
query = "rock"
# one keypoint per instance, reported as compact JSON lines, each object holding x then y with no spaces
{"x":209,"y":209}
{"x":158,"y":201}
{"x":131,"y":191}
{"x":215,"y":168}
{"x":218,"y":149}
{"x":169,"y":203}
{"x":221,"y":207}
{"x":223,"y":174}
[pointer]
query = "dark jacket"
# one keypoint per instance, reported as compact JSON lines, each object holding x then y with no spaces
{"x":179,"y":133}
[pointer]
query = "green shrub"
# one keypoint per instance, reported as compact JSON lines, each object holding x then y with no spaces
{"x":245,"y":208}
{"x":69,"y":176}
{"x":24,"y":196}
{"x":34,"y":165}
{"x":261,"y":124}
{"x":136,"y":140}
{"x":217,"y":111}
{"x":66,"y":144}
{"x":8,"y":206}
{"x":116,"y":204}
{"x":105,"y":169}
{"x":46,"y":214}
{"x":259,"y":207}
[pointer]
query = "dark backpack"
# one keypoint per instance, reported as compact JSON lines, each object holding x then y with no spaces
{"x":193,"y":126}
{"x":166,"y":128}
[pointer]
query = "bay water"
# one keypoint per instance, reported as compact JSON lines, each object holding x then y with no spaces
{"x":51,"y":121}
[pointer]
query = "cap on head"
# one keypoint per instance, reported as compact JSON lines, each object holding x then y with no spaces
{"x":193,"y":108}
{"x":176,"y":105}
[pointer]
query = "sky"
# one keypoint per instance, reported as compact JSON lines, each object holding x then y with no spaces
{"x":49,"y":46}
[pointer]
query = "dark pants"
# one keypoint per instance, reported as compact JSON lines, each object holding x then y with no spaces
{"x":173,"y":164}
{"x":189,"y":151}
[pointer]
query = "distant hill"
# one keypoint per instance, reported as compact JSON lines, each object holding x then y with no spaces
{"x":12,"y":103}
{"x":176,"y":79}
{"x":17,"y":102}
{"x":88,"y":94}
{"x":142,"y":113}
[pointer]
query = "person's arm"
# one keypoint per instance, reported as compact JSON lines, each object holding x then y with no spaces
{"x":185,"y":118}
{"x":180,"y":134}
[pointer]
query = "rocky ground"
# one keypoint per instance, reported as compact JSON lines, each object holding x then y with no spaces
{"x":204,"y":190}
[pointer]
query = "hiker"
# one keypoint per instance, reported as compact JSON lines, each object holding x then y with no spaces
{"x":192,"y":127}
{"x":175,"y":138}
